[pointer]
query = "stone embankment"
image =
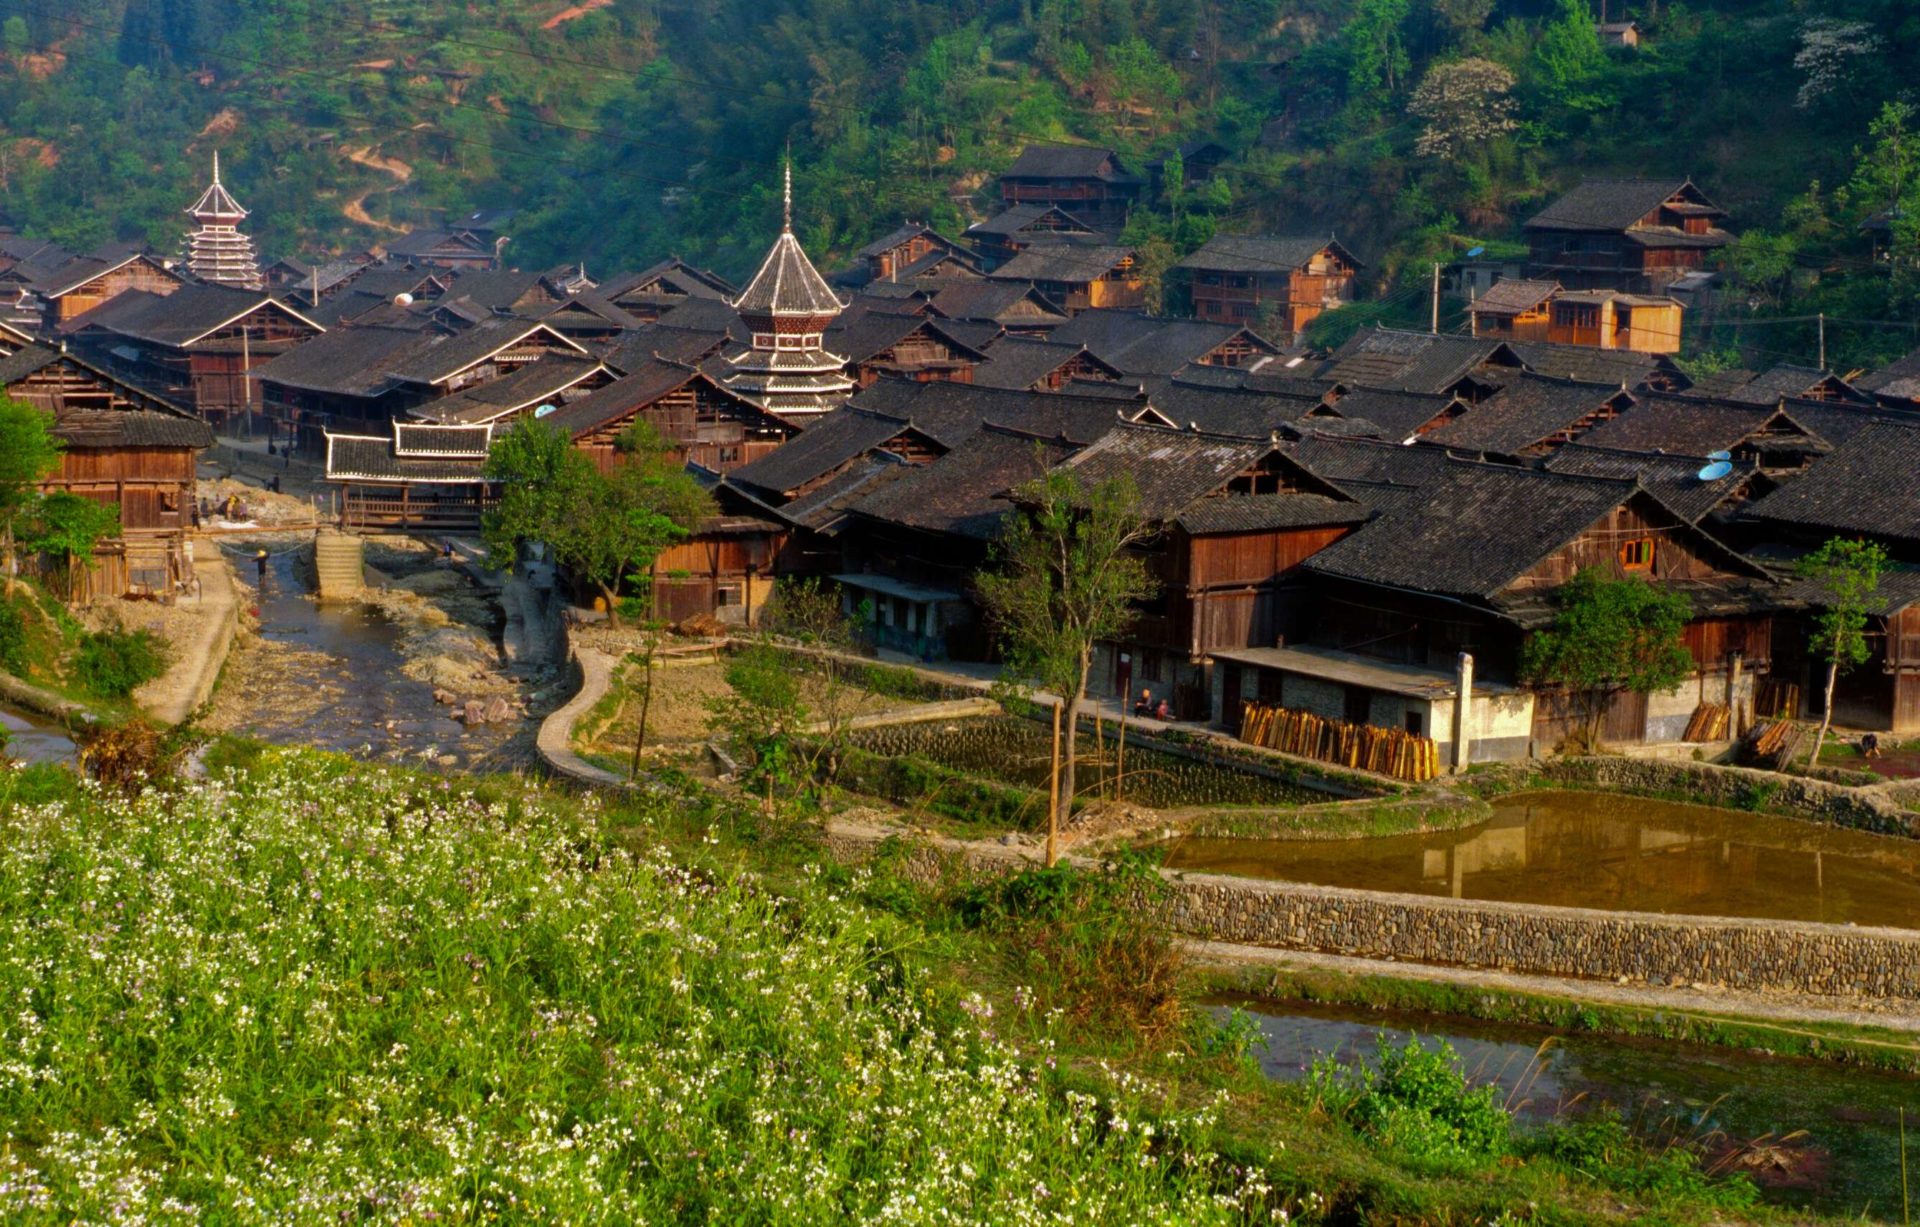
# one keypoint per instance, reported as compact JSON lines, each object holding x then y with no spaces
{"x":1870,"y":808}
{"x":1835,"y":962}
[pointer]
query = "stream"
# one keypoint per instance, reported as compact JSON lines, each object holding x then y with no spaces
{"x":1834,"y":1130}
{"x":332,"y":676}
{"x":34,"y":739}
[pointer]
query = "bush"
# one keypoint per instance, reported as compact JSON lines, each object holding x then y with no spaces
{"x":1601,"y":1147}
{"x":112,"y":664}
{"x":13,"y":639}
{"x":1415,"y":1100}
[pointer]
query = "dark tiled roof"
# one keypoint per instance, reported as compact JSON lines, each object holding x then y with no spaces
{"x":1512,"y":296}
{"x":642,"y":387}
{"x":1251,"y":513}
{"x":706,"y":315}
{"x":1408,"y":361}
{"x":1687,"y":426}
{"x":861,"y":336}
{"x":1259,"y":253}
{"x":1108,"y":332}
{"x":424,"y":242}
{"x":1397,"y":414}
{"x":495,"y":289}
{"x":1589,"y":364}
{"x":108,"y":428}
{"x":1783,"y":381}
{"x":1674,"y":480}
{"x":1472,"y":532}
{"x":1175,"y":343}
{"x":949,"y":412}
{"x":367,"y":458}
{"x":1226,"y":411}
{"x":533,"y":383}
{"x":1020,"y":362}
{"x":1357,"y":463}
{"x":1019,"y":217}
{"x":1839,"y":421}
{"x":1067,"y":162}
{"x":989,"y":300}
{"x":1063,"y":262}
{"x":348,"y":361}
{"x":1898,"y":380}
{"x":1527,"y":411}
{"x":175,"y":319}
{"x":1724,"y":383}
{"x":843,"y":435}
{"x":1606,"y":204}
{"x":1169,"y":468}
{"x":962,"y":493}
{"x":32,"y":359}
{"x":675,"y":275}
{"x":823,"y":507}
{"x":1865,"y":486}
{"x":437,"y":357}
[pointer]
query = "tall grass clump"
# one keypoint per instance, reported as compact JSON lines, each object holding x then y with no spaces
{"x":321,"y":992}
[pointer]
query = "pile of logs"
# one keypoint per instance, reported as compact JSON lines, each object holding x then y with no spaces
{"x":1394,"y":752}
{"x":1773,"y":697}
{"x":1711,"y":722}
{"x":1772,"y":745}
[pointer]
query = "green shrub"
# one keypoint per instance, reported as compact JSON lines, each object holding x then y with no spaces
{"x":13,"y":638}
{"x":1602,"y":1147}
{"x":1415,"y":1100}
{"x":112,"y":663}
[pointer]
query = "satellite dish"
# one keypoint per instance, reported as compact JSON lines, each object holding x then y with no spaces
{"x":1719,"y":455}
{"x":543,"y":410}
{"x":403,"y":300}
{"x":1475,"y":252}
{"x":1715,"y":471}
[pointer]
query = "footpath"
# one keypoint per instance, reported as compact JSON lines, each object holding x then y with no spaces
{"x":176,"y":694}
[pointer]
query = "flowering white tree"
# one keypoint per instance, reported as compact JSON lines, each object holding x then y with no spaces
{"x":1829,"y":48}
{"x":1465,"y":103}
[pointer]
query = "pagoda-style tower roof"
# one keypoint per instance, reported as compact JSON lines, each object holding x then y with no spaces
{"x":216,"y":251}
{"x":787,"y":285}
{"x":216,"y":204}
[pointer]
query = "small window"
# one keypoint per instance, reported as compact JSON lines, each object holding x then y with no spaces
{"x":727,"y":594}
{"x":1637,"y":555}
{"x":1151,"y":663}
{"x":1416,"y":723}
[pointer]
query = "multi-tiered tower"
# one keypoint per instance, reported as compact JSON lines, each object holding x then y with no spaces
{"x":216,"y":251}
{"x":787,"y":306}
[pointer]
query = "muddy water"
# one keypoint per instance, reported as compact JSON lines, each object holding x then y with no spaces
{"x":330,"y":676}
{"x":1615,"y":853}
{"x":34,"y":739}
{"x":1847,"y":1160}
{"x":1018,"y":751}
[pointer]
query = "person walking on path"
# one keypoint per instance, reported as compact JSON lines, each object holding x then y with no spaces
{"x":260,"y":568}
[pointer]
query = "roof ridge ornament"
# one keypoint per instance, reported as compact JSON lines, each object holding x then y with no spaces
{"x":786,"y":204}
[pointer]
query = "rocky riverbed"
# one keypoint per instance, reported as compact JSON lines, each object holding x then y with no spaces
{"x":411,"y":670}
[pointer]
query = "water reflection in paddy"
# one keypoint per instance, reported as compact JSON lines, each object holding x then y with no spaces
{"x":34,"y":739}
{"x":1616,"y":853}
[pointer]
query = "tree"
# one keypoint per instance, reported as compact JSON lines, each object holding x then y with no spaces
{"x":29,"y":453}
{"x":1829,"y":49}
{"x":1847,"y":574}
{"x":1464,"y":103}
{"x":618,"y":523}
{"x":1065,"y":576}
{"x":1569,"y":67}
{"x":1611,"y":636}
{"x":541,"y":477}
{"x":70,"y":526}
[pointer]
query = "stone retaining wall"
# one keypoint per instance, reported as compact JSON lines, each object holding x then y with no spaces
{"x":1867,"y":809}
{"x":1840,"y":961}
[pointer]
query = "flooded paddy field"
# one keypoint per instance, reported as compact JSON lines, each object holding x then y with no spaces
{"x":1614,"y":853}
{"x":32,"y":739}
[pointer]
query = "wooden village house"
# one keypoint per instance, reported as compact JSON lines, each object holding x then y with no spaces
{"x":1078,"y":278}
{"x":1088,"y":183}
{"x":120,"y":445}
{"x":199,"y":345}
{"x":1634,"y":235}
{"x":1265,"y":282}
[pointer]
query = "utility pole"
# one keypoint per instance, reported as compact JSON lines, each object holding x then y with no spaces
{"x":1435,"y":329}
{"x":1823,"y":340}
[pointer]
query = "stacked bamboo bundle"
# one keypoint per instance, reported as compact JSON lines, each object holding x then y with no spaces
{"x":1394,"y":752}
{"x":1773,"y":744}
{"x":1710,"y":722}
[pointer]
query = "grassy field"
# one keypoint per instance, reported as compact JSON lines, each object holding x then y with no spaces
{"x":311,"y":989}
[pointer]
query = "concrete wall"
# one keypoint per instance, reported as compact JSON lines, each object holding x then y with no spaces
{"x":1837,"y":961}
{"x":1502,"y":724}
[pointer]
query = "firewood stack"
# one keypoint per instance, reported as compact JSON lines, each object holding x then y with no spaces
{"x":1366,"y":747}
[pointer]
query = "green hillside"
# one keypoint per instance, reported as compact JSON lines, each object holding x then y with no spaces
{"x":627,"y":129}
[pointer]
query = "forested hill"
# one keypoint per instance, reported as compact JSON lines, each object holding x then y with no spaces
{"x":625,"y":129}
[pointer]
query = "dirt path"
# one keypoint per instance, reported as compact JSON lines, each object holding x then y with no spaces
{"x":201,"y":646}
{"x":574,"y":13}
{"x":355,"y":209}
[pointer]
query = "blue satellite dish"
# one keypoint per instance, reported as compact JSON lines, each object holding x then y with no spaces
{"x":1715,"y":471}
{"x":544,"y":410}
{"x":1719,"y":455}
{"x":1475,"y":251}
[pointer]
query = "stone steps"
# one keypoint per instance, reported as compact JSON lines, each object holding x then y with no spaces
{"x":339,"y":566}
